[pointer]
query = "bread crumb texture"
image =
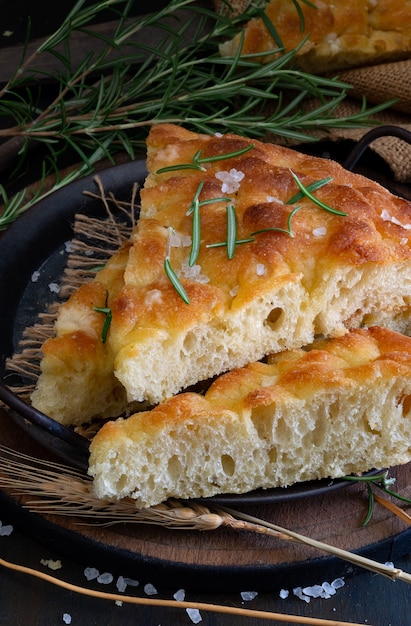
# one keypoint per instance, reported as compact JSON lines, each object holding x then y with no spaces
{"x":340,"y":406}
{"x":282,"y":287}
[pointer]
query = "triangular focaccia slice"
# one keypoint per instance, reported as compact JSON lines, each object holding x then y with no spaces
{"x":340,"y":33}
{"x":273,"y":269}
{"x":341,"y":407}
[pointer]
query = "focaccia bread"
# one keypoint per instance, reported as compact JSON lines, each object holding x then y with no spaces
{"x":341,"y":33}
{"x":343,"y":406}
{"x":273,"y":270}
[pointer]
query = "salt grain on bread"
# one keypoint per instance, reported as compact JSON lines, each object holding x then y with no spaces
{"x":340,"y":34}
{"x":328,"y":273}
{"x":340,"y":407}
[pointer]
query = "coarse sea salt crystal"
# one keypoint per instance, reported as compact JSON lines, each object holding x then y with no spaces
{"x":231,"y":180}
{"x":260,"y":269}
{"x":315,"y":591}
{"x":179,"y":595}
{"x":67,"y":618}
{"x":284,"y":593}
{"x":274,"y":199}
{"x":53,"y":565}
{"x":328,"y":589}
{"x":193,"y":272}
{"x":35,"y":276}
{"x":123,"y":582}
{"x":91,"y":573}
{"x":194,"y":615}
{"x":105,"y":578}
{"x":297,"y":591}
{"x":390,"y":218}
{"x":320,"y":232}
{"x":54,"y":287}
{"x":5,"y":530}
{"x":150,"y":590}
{"x":247,"y":596}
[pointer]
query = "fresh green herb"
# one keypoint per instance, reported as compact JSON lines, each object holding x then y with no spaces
{"x":300,"y":12}
{"x":380,"y":481}
{"x":170,"y":273}
{"x":305,"y":191}
{"x":197,"y":161}
{"x":106,"y":102}
{"x":222,"y":244}
{"x":174,"y":280}
{"x":231,"y":230}
{"x":287,"y":231}
{"x":195,"y":226}
{"x":311,"y":188}
{"x":107,"y":322}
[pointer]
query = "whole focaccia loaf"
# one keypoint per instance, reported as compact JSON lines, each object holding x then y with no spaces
{"x":342,"y":406}
{"x":263,"y":267}
{"x":340,"y":34}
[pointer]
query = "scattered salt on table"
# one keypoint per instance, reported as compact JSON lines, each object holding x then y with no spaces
{"x":91,"y":573}
{"x":5,"y":530}
{"x":105,"y":578}
{"x":247,"y":596}
{"x":150,"y":590}
{"x":194,"y":615}
{"x":179,"y":595}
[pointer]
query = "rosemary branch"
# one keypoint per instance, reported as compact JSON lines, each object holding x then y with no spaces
{"x":107,"y":103}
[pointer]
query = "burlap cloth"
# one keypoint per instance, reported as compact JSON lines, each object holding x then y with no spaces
{"x":379,"y":84}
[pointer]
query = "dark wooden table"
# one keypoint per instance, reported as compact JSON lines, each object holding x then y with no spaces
{"x":365,"y":598}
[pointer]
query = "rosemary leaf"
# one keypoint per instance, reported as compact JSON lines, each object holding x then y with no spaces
{"x":174,"y":280}
{"x":312,"y":187}
{"x":231,"y":230}
{"x":108,"y":102}
{"x":305,"y":191}
{"x":107,"y":322}
{"x":195,"y":226}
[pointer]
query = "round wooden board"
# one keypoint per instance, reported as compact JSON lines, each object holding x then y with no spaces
{"x":224,"y":559}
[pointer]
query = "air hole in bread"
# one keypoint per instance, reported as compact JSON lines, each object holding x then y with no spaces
{"x":275,"y":318}
{"x":228,"y":464}
{"x":406,"y":404}
{"x":189,"y":343}
{"x":174,"y":467}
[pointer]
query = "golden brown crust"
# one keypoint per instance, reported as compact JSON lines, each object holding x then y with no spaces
{"x":340,"y":406}
{"x":319,"y":273}
{"x":341,"y":34}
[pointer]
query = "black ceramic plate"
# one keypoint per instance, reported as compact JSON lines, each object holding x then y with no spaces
{"x":36,"y":242}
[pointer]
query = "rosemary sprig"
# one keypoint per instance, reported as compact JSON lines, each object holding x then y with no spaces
{"x":310,"y":188}
{"x":170,"y":273}
{"x":287,"y":231}
{"x":195,"y":226}
{"x":107,"y":322}
{"x":198,"y":160}
{"x":306,"y":192}
{"x":107,"y":103}
{"x":231,"y":230}
{"x":381,"y":481}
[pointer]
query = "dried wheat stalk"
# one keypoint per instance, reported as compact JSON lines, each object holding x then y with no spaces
{"x":59,"y":490}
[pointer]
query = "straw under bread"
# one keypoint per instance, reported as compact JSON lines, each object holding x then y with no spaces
{"x":342,"y":406}
{"x":287,"y":281}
